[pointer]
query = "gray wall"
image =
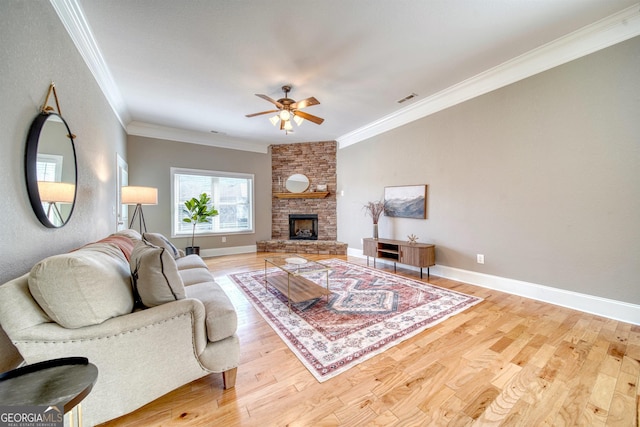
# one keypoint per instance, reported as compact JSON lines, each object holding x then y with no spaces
{"x":542,"y":177}
{"x":150,"y":161}
{"x":34,"y":51}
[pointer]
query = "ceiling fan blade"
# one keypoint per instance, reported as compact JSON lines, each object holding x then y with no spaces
{"x":305,"y":103}
{"x":271,"y":100}
{"x":264,"y":112}
{"x":306,"y":116}
{"x":281,"y":124}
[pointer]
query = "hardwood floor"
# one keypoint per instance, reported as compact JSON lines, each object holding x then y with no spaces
{"x":508,"y":361}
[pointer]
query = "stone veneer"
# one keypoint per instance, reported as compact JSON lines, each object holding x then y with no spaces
{"x":321,"y":247}
{"x":316,"y":160}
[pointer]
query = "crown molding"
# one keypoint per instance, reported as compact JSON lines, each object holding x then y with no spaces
{"x":72,"y":16}
{"x":614,"y":29}
{"x":213,"y":140}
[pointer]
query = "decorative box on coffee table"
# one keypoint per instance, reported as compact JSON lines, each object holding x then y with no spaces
{"x":421,"y":255}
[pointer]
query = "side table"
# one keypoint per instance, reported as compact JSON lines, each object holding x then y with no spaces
{"x":66,"y":381}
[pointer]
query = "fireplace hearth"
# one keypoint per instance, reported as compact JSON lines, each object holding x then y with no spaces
{"x":303,"y":226}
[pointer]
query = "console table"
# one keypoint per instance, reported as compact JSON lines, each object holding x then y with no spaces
{"x":419,"y":255}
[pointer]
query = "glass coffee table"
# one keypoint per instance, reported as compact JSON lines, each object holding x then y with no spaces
{"x":293,"y":284}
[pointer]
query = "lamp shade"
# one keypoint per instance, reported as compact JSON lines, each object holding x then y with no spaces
{"x":56,"y":192}
{"x":132,"y":195}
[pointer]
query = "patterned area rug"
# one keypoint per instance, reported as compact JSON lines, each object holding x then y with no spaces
{"x":368,"y":312}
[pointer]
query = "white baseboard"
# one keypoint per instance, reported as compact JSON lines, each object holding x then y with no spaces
{"x":612,"y":309}
{"x":232,"y":250}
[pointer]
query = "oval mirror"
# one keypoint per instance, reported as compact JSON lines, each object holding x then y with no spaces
{"x":50,"y":167}
{"x":297,"y":183}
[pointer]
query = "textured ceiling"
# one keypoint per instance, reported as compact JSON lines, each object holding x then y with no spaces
{"x":195,"y":66}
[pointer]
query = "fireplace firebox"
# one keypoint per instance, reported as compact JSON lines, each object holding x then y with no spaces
{"x":303,"y":226}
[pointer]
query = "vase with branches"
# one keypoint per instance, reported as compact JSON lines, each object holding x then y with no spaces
{"x":198,"y":211}
{"x":374,"y":210}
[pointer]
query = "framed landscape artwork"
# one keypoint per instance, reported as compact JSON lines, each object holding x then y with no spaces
{"x":406,"y":201}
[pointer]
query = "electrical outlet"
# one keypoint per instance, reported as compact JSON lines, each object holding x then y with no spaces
{"x":480,"y":258}
{"x":224,"y":239}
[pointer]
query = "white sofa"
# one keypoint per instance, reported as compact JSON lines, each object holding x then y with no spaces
{"x":148,"y":333}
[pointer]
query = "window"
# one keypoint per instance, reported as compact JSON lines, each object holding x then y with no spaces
{"x":49,"y":167}
{"x":231,"y":194}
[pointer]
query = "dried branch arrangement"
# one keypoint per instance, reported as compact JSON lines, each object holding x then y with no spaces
{"x":374,"y":210}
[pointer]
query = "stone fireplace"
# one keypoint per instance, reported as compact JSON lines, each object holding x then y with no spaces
{"x":303,"y":226}
{"x":316,"y":160}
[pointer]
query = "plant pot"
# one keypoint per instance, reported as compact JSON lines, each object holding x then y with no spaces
{"x":375,"y":231}
{"x":192,"y":250}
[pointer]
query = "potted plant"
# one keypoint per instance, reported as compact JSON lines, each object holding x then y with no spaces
{"x":374,"y":210}
{"x":198,"y":211}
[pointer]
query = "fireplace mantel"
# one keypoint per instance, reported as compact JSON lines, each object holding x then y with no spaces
{"x":309,"y":195}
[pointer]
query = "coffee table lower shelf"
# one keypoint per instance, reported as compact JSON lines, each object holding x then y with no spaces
{"x":298,"y":288}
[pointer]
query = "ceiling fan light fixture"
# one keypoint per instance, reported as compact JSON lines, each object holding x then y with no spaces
{"x":285,"y":115}
{"x":288,"y":111}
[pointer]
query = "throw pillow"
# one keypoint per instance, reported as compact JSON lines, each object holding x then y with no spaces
{"x":160,"y":241}
{"x":155,"y":275}
{"x":84,"y":287}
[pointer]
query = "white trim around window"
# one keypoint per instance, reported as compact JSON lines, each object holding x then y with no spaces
{"x":232,"y":195}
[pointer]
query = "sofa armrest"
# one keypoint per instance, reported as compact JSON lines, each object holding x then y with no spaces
{"x":140,"y":356}
{"x":126,"y":324}
{"x":221,"y":318}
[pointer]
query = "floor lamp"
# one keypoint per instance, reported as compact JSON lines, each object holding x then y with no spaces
{"x":139,"y":196}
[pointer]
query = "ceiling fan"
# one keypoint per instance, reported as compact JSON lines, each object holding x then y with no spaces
{"x":288,"y":110}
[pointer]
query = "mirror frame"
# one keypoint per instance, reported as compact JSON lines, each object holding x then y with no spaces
{"x":286,"y":183}
{"x":31,"y":168}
